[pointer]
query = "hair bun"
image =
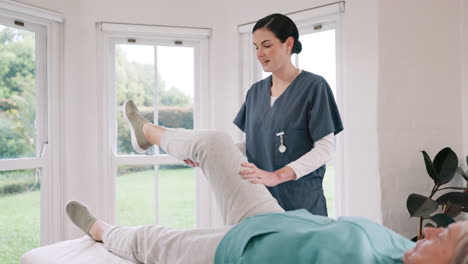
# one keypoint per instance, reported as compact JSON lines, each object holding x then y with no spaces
{"x":297,"y":48}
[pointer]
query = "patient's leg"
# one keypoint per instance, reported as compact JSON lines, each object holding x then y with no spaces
{"x":158,"y":244}
{"x":149,"y":244}
{"x":219,"y":160}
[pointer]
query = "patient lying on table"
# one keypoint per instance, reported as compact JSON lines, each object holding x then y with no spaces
{"x":257,"y":229}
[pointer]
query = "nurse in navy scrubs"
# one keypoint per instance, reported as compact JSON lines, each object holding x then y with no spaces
{"x":290,"y":120}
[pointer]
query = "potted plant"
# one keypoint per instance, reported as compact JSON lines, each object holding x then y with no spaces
{"x":441,"y":170}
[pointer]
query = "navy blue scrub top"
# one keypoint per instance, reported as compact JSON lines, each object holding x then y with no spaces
{"x":306,"y":112}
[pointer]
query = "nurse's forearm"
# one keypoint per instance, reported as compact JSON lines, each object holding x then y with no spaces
{"x":285,"y":174}
{"x":315,"y":158}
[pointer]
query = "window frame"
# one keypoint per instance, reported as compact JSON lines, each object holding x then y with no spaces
{"x":329,"y":16}
{"x":48,"y":27}
{"x":110,"y":34}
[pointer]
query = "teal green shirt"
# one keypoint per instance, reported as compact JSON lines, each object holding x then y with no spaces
{"x":300,"y":237}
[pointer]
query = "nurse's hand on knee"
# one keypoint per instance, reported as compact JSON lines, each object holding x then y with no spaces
{"x":259,"y":176}
{"x":191,"y":163}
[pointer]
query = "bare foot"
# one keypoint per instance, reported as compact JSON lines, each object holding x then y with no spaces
{"x":153,"y":133}
{"x":97,"y":229}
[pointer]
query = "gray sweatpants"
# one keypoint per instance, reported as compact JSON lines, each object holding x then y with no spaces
{"x":236,"y":198}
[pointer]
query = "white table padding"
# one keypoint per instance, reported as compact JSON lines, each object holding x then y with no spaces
{"x":81,"y":250}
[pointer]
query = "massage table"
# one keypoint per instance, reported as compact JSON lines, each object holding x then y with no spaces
{"x":76,"y":251}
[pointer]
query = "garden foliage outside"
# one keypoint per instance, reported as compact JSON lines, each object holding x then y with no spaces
{"x":136,"y":81}
{"x":17,"y":94}
{"x":17,"y":108}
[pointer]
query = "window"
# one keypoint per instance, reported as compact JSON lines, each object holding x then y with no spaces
{"x":319,"y":33}
{"x":163,"y":70}
{"x":29,"y":131}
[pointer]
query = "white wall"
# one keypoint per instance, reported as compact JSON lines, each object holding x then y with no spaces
{"x":419,"y":98}
{"x":360,"y":80}
{"x":399,"y":75}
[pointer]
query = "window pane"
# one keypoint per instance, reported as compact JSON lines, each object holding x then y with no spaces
{"x":19,"y":213}
{"x":175,"y":87}
{"x":318,"y":55}
{"x":134,"y":74}
{"x":177,"y":196}
{"x":135,"y":195}
{"x":175,"y":99}
{"x":17,"y":93}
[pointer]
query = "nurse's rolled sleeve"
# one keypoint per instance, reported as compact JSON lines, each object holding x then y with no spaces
{"x":318,"y":156}
{"x":324,"y":117}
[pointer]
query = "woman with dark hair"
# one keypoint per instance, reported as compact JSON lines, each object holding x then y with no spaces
{"x":290,"y":119}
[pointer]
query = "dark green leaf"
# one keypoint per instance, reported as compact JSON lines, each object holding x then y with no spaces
{"x":445,"y":164}
{"x":453,"y":210}
{"x":429,"y":167}
{"x":420,"y":206}
{"x":429,"y":225}
{"x":458,"y":198}
{"x":442,"y":220}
